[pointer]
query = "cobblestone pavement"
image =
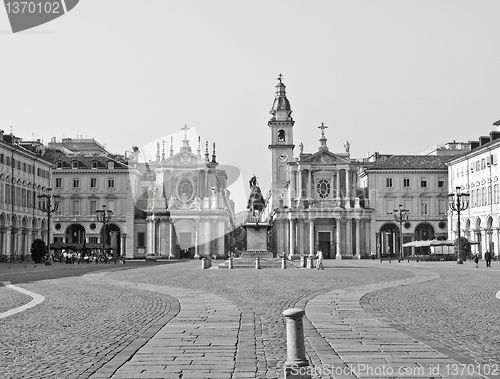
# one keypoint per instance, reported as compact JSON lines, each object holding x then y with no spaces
{"x":11,"y":298}
{"x":94,"y":326}
{"x":459,"y":309}
{"x":77,"y":329}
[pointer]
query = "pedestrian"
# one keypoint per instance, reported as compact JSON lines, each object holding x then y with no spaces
{"x":487,"y":258}
{"x":319,"y":263}
{"x":373,"y":255}
{"x":476,"y":259}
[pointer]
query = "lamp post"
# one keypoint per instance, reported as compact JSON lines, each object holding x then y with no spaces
{"x":458,"y":202}
{"x":48,"y":205}
{"x":103,"y":216}
{"x":401,"y":215}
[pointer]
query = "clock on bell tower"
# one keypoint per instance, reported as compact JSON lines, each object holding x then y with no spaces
{"x":281,"y":127}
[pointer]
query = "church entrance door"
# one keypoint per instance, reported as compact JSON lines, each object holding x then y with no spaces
{"x":324,"y":243}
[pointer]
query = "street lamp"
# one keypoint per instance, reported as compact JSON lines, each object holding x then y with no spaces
{"x":48,"y":205}
{"x":458,"y":202}
{"x":103,"y":216}
{"x":401,"y":215}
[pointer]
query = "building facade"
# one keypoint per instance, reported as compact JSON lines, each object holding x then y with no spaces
{"x":188,"y":213}
{"x":24,"y":175}
{"x":314,"y":203}
{"x":88,"y":179}
{"x":416,"y":183}
{"x":477,"y":173}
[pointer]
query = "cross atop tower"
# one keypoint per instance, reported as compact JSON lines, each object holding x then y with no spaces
{"x":322,"y":127}
{"x":185,"y":128}
{"x":279,"y":77}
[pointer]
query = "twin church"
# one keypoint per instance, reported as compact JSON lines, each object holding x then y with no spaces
{"x":314,"y":202}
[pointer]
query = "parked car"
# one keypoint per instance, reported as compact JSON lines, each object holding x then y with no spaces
{"x":151,"y":257}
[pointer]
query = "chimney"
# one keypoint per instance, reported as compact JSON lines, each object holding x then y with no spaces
{"x":1,"y":135}
{"x":497,"y":124}
{"x":473,"y":144}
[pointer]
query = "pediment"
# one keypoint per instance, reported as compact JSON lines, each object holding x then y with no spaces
{"x":326,"y":157}
{"x":184,"y":158}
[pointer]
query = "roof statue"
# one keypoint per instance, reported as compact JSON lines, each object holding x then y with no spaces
{"x":347,"y":146}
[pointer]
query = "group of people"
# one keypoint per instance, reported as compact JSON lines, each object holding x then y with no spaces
{"x":73,"y":257}
{"x":487,"y":258}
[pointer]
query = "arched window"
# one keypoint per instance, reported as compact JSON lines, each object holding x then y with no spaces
{"x":323,"y":188}
{"x":281,"y":135}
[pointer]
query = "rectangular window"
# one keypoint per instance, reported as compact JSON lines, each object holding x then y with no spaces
{"x":93,"y":206}
{"x":406,"y":182}
{"x":76,"y":183}
{"x":1,"y":158}
{"x":423,"y":182}
{"x":8,"y":194}
{"x":424,"y":206}
{"x":483,"y":164}
{"x":29,"y":199}
{"x":111,"y":206}
{"x":390,"y":206}
{"x":111,"y":183}
{"x":141,"y":239}
{"x":74,"y":164}
{"x":93,"y":164}
{"x":483,"y":194}
{"x":495,"y":193}
{"x":93,"y":182}
{"x":58,"y":182}
{"x":489,"y":195}
{"x":440,"y":182}
{"x":442,"y":206}
{"x":76,"y":207}
{"x":24,"y":167}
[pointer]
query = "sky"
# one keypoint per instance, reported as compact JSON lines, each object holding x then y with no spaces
{"x":389,"y":76}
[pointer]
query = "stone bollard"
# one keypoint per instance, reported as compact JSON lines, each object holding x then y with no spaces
{"x":310,"y":262}
{"x":302,"y":261}
{"x":283,"y":263}
{"x":257,"y":263}
{"x":230,"y":264}
{"x":296,"y":364}
{"x":203,"y":263}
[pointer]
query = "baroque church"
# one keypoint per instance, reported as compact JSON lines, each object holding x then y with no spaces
{"x":188,"y":213}
{"x":315,"y":203}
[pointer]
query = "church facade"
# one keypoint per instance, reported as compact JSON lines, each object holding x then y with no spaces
{"x":315,"y":203}
{"x":188,"y":213}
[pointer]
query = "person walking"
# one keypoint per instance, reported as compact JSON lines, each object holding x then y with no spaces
{"x":487,"y":258}
{"x":476,"y":259}
{"x":319,"y":263}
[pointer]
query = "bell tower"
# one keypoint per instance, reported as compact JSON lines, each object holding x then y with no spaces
{"x":281,"y":127}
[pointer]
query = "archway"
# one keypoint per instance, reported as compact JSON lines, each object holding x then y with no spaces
{"x":75,"y":234}
{"x":423,"y":232}
{"x":477,"y":237}
{"x":3,"y":228}
{"x":388,"y":240}
{"x":185,"y":232}
{"x":113,"y":238}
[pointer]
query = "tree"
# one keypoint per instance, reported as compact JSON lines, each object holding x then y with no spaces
{"x":465,"y":248}
{"x":38,"y":250}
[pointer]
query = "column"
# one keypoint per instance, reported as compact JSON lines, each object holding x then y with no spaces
{"x":311,"y":236}
{"x":309,"y":183}
{"x":292,"y":238}
{"x":123,"y":244}
{"x":196,"y":255}
{"x":368,"y":246}
{"x":299,"y":184}
{"x":358,"y":238}
{"x":207,"y":238}
{"x":347,"y":188}
{"x":339,"y":225}
{"x":150,"y":235}
{"x":293,"y":187}
{"x":8,"y":242}
{"x":171,"y":254}
{"x":163,"y":236}
{"x":348,"y":236}
{"x":337,"y":185}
